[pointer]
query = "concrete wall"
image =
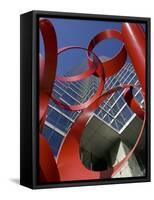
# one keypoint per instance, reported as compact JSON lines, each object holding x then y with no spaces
{"x":102,"y":147}
{"x":131,"y":168}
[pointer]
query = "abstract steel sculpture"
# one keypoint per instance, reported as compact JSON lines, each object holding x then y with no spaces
{"x":68,"y":166}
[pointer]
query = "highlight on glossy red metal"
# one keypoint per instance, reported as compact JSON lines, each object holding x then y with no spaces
{"x":134,"y":39}
{"x":68,"y":165}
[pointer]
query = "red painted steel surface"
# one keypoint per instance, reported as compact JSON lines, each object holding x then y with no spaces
{"x":48,"y":166}
{"x":134,"y":39}
{"x":112,"y":65}
{"x":68,"y":165}
{"x":48,"y":65}
{"x":133,"y":104}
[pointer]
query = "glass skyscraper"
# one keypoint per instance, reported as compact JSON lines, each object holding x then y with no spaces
{"x":114,"y":111}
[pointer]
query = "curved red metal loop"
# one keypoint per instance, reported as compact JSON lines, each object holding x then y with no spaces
{"x":103,"y":68}
{"x":114,"y":64}
{"x":48,"y":66}
{"x":47,"y":69}
{"x":93,"y":66}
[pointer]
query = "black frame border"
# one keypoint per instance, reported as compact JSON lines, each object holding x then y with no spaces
{"x":35,"y":15}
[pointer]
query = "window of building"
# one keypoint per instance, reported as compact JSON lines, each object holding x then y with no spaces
{"x":117,"y":125}
{"x":55,"y":141}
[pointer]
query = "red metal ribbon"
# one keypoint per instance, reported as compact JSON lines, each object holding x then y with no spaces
{"x":112,"y":65}
{"x":93,"y":66}
{"x":136,"y":44}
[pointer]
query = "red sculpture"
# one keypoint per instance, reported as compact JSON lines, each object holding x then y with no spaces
{"x":68,"y":165}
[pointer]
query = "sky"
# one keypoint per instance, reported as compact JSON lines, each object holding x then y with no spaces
{"x":79,"y":33}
